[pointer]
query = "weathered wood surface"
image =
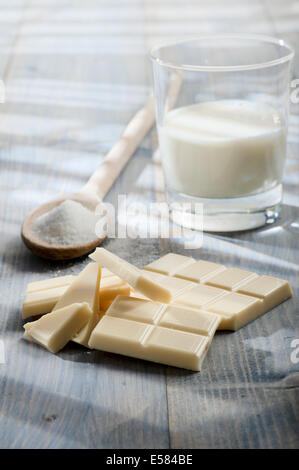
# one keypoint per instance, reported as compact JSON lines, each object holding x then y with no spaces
{"x":74,"y":73}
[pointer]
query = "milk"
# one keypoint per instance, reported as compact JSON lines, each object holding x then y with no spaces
{"x":222,"y":149}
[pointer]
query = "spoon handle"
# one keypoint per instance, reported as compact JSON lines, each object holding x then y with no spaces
{"x":105,"y":175}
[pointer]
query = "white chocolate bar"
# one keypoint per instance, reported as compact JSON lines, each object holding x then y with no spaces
{"x":236,"y":310}
{"x":155,"y":332}
{"x":54,"y":330}
{"x":135,"y":277}
{"x":42,"y":301}
{"x":85,"y":288}
{"x":215,"y":282}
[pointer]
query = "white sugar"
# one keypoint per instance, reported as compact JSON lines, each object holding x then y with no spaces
{"x":70,"y":223}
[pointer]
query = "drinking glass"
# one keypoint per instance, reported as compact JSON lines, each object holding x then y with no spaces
{"x":222,"y":106}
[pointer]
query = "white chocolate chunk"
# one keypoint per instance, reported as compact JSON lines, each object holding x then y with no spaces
{"x":143,"y":341}
{"x":85,"y":288}
{"x":175,"y":285}
{"x":119,"y":335}
{"x":54,"y":330}
{"x":169,"y":264}
{"x":41,"y":302}
{"x":177,"y":348}
{"x":110,"y":288}
{"x":59,"y":281}
{"x":133,"y":308}
{"x":271,"y":290}
{"x":230,"y":278}
{"x":40,"y":298}
{"x":186,"y":319}
{"x":106,"y":273}
{"x":199,"y":271}
{"x":132,"y":275}
{"x":236,"y":310}
{"x":200,"y":295}
{"x":157,"y":332}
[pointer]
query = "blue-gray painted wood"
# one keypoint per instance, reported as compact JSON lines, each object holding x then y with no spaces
{"x":75,"y":72}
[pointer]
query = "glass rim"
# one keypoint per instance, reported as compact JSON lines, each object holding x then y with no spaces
{"x":224,"y":68}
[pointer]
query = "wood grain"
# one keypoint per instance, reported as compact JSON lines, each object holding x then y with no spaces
{"x":74,"y":76}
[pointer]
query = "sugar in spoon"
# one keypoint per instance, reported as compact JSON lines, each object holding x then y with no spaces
{"x":93,"y":192}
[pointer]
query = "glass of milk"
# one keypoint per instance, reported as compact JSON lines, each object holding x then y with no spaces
{"x":222,"y":112}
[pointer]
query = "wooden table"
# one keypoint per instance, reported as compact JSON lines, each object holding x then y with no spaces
{"x":74,"y":73}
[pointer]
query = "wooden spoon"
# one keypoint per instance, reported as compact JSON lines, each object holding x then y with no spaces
{"x":95,"y":189}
